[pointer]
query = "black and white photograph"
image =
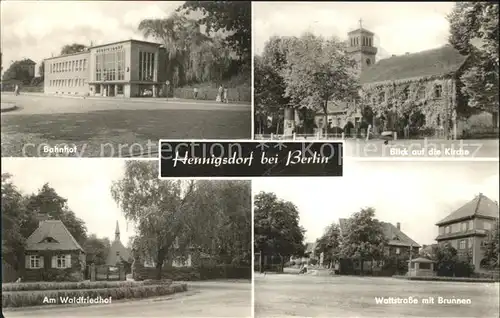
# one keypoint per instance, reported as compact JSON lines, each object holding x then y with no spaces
{"x":405,"y":239}
{"x":372,"y":73}
{"x":109,"y":79}
{"x":107,"y":238}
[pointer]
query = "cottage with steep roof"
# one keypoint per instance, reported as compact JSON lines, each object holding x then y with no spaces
{"x":53,"y":254}
{"x":467,"y":228}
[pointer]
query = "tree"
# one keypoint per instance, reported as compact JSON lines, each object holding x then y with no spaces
{"x":48,"y":202}
{"x":160,"y":210}
{"x":230,"y":16}
{"x":13,"y":219}
{"x":276,"y":227}
{"x":17,"y":72}
{"x":474,"y":31}
{"x":329,"y":244}
{"x":41,"y":70}
{"x":180,"y":35}
{"x":492,"y":252}
{"x":363,"y":238}
{"x":96,"y":249}
{"x":319,"y":71}
{"x":73,"y":48}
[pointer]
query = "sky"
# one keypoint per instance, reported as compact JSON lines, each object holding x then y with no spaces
{"x":84,"y":183}
{"x":416,"y":194}
{"x":38,"y":29}
{"x":399,"y":27}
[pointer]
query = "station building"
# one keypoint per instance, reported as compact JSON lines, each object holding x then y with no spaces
{"x":128,"y":68}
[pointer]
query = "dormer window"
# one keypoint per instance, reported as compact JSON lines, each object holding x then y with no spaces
{"x":48,"y":240}
{"x":395,"y":238}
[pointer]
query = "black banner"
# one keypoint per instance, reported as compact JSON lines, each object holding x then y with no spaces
{"x":250,"y":159}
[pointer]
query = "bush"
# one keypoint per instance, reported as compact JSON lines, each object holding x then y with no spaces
{"x":22,"y":299}
{"x":198,"y":273}
{"x":12,"y":287}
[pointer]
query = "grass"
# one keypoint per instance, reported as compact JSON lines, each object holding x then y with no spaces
{"x":349,"y":296}
{"x":94,"y":132}
{"x":36,"y":298}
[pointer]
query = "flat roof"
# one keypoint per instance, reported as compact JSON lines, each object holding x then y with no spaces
{"x":102,"y":45}
{"x":65,"y":55}
{"x":124,"y":41}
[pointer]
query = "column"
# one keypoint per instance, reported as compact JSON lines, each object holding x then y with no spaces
{"x":289,"y":121}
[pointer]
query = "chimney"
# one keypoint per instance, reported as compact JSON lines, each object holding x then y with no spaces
{"x":398,"y":225}
{"x":41,"y":217}
{"x":393,"y":55}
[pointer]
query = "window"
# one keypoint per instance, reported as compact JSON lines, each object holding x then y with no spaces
{"x":438,"y":90}
{"x":61,"y":261}
{"x":424,"y":265}
{"x":471,"y":224}
{"x":454,"y":243}
{"x":464,"y":226}
{"x":338,"y":122}
{"x":368,"y":62}
{"x":398,"y":250}
{"x":448,"y":229}
{"x":463,"y":245}
{"x":35,"y":261}
{"x":471,"y":241}
{"x":487,"y":226}
{"x":441,"y":230}
{"x":117,"y":253}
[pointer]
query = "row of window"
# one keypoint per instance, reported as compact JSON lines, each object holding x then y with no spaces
{"x":59,"y":261}
{"x":68,"y":66}
{"x":463,"y":227}
{"x":438,"y":92}
{"x":462,"y":244}
{"x":71,"y":82}
{"x":146,"y":66}
{"x":110,"y":66}
{"x":363,"y":41}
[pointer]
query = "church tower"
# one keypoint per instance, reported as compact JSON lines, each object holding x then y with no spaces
{"x":360,"y":47}
{"x":117,"y":232}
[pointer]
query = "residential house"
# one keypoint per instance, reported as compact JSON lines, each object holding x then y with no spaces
{"x":309,"y":254}
{"x":191,"y":258}
{"x":118,"y":254}
{"x":467,"y":228}
{"x":398,"y":243}
{"x":52,"y":253}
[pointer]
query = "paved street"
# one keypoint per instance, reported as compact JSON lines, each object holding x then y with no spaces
{"x":203,"y":299}
{"x":288,"y":295}
{"x":114,"y":127}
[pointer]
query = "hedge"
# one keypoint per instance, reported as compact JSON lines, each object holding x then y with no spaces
{"x":237,"y":94}
{"x":197,"y":273}
{"x":448,"y":279}
{"x":36,"y":298}
{"x":13,"y":287}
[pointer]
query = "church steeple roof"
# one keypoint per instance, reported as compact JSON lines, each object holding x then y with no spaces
{"x":117,"y":232}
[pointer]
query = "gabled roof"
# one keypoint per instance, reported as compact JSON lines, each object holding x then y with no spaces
{"x":394,"y":236}
{"x":481,"y":205}
{"x":54,"y":229}
{"x":431,"y":63}
{"x":118,"y":248}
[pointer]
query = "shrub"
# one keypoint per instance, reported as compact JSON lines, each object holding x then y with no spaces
{"x":22,"y":299}
{"x":12,"y":287}
{"x":197,"y":273}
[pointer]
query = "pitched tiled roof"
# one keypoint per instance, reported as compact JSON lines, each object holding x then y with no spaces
{"x":118,"y":248}
{"x":431,"y":63}
{"x":394,"y":236}
{"x":481,"y":205}
{"x":55,"y":229}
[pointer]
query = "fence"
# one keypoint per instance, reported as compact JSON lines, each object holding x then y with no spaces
{"x":238,"y":94}
{"x":107,"y":272}
{"x":361,"y":133}
{"x":9,"y":274}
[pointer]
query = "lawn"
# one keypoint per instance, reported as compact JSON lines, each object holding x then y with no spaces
{"x":348,"y":296}
{"x":129,"y":131}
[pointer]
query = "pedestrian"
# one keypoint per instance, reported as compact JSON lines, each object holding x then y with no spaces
{"x":219,"y":94}
{"x":195,"y":92}
{"x":16,"y":90}
{"x":225,"y":95}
